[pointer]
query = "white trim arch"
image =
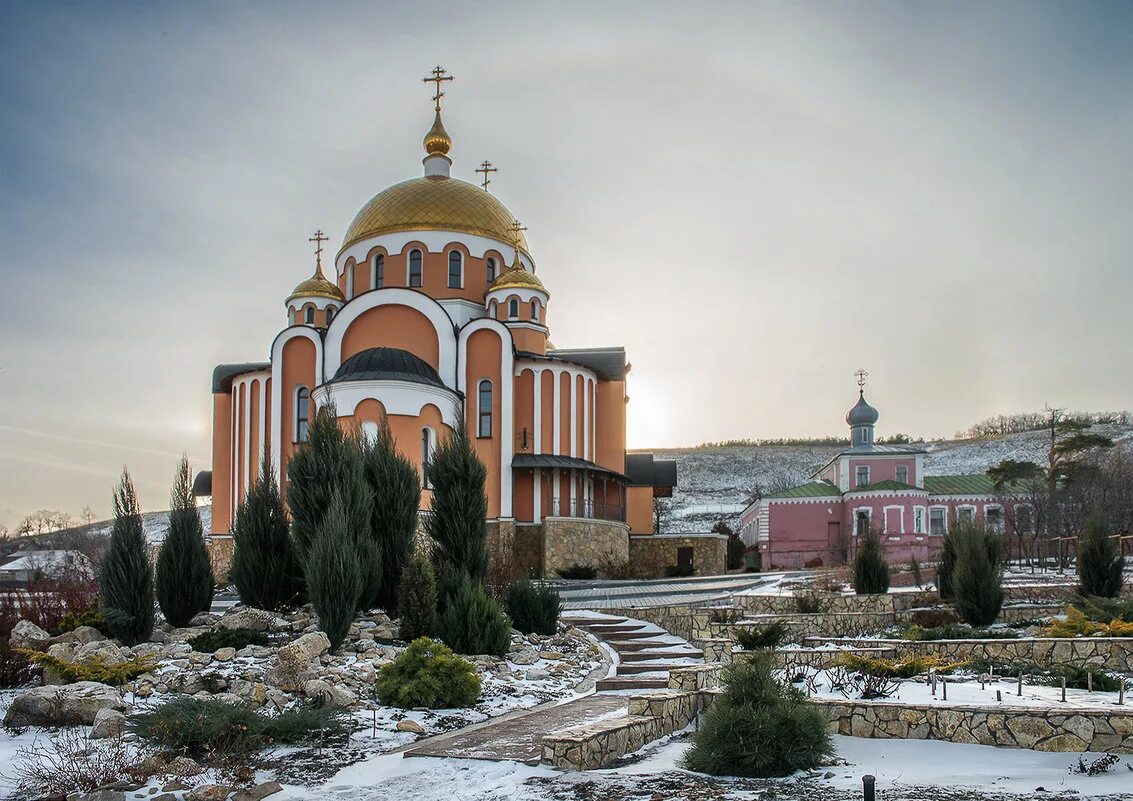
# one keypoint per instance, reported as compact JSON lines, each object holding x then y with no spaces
{"x":506,"y":389}
{"x":405,"y":398}
{"x":434,"y":242}
{"x":277,"y":388}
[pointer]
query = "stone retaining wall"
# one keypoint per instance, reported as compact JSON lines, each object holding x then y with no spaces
{"x":687,"y":622}
{"x":1110,"y":653}
{"x":822,"y":658}
{"x":1074,"y":730}
{"x":528,"y":551}
{"x":695,"y":678}
{"x":651,"y":555}
{"x":579,"y":541}
{"x":826,"y":624}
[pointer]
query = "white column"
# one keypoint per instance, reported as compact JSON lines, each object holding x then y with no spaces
{"x":537,"y":501}
{"x":586,"y":419}
{"x":263,"y":423}
{"x":573,"y":415}
{"x":557,"y":374}
{"x":537,"y":417}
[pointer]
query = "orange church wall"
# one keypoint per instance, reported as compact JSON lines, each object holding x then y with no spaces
{"x":639,"y":509}
{"x":523,"y":497}
{"x":406,"y":430}
{"x":580,"y":417}
{"x":524,"y":411}
{"x":610,"y":450}
{"x":221,"y":462}
{"x":393,"y":326}
{"x":547,"y":412}
{"x":564,"y":414}
{"x":298,"y":370}
{"x":485,"y":350}
{"x":529,"y":340}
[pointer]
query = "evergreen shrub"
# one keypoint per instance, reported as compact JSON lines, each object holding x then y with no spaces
{"x":977,"y":581}
{"x":428,"y":674}
{"x":90,"y":617}
{"x":126,"y":577}
{"x":752,"y":638}
{"x":335,"y":576}
{"x":533,"y":610}
{"x":759,"y":727}
{"x":946,"y":567}
{"x":417,"y":604}
{"x":473,"y":623}
{"x":92,"y":669}
{"x":396,"y":489}
{"x":871,"y":571}
{"x":212,"y":641}
{"x":1100,"y":564}
{"x":183,"y":575}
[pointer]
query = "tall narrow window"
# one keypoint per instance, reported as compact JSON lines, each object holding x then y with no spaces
{"x":901,"y":473}
{"x":415,"y":268}
{"x":918,"y":520}
{"x":455,"y":268}
{"x":937,"y":521}
{"x":426,"y":456}
{"x":861,"y":475}
{"x":491,"y":270}
{"x":862,"y":526}
{"x":484,"y":409}
{"x":302,"y":413}
{"x":535,"y":310}
{"x":330,"y":314}
{"x":492,"y":309}
{"x":513,"y":309}
{"x":309,"y":315}
{"x":379,"y":272}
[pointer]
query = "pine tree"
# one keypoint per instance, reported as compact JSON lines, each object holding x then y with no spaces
{"x":417,"y":602}
{"x":183,"y":575}
{"x":472,"y":622}
{"x":1099,"y":564}
{"x":396,"y":490}
{"x":335,"y":577}
{"x":946,"y":567}
{"x":456,"y":522}
{"x":125,"y":585}
{"x":264,"y":568}
{"x":977,"y":581}
{"x":871,"y":570}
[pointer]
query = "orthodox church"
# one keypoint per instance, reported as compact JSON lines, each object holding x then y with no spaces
{"x":434,"y":314}
{"x":871,"y":487}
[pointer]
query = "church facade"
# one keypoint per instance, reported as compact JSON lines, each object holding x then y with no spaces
{"x":872,"y":487}
{"x":434,"y":315}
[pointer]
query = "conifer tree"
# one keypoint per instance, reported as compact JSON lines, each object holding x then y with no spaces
{"x":125,"y":586}
{"x":396,"y":490}
{"x":472,"y":622}
{"x":871,"y":570}
{"x":977,"y":580}
{"x":417,"y":602}
{"x":264,"y":568}
{"x":1099,"y":564}
{"x":946,"y":567}
{"x":459,"y":508}
{"x":335,"y":577}
{"x":183,"y":575}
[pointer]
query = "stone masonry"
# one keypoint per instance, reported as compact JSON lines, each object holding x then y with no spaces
{"x":1110,"y":653}
{"x":575,"y":541}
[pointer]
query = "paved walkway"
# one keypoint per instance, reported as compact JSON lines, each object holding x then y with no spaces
{"x":658,"y":592}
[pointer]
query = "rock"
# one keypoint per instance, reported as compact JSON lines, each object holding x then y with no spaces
{"x":295,"y":657}
{"x":164,"y":797}
{"x":103,"y":651}
{"x":328,"y":694}
{"x":107,"y":723}
{"x":69,"y":705}
{"x":87,"y":634}
{"x":209,"y":792}
{"x":528,"y":656}
{"x":203,"y":619}
{"x":104,"y":794}
{"x":254,"y":651}
{"x":248,"y":618}
{"x":65,"y":651}
{"x":536,"y":674}
{"x":224,"y":654}
{"x":26,"y":634}
{"x":410,"y":726}
{"x":181,"y":766}
{"x":258,"y":792}
{"x":551,"y":655}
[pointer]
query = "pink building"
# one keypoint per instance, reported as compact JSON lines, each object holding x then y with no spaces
{"x":869,"y":486}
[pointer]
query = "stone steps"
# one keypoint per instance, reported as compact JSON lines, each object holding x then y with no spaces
{"x":643,"y":655}
{"x":635,"y":668}
{"x":631,"y":683}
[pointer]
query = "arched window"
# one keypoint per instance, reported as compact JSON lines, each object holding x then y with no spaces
{"x":302,"y":413}
{"x":455,"y":270}
{"x":426,"y":456}
{"x":309,"y":315}
{"x":513,"y":309}
{"x":379,"y":272}
{"x":492,"y":309}
{"x":293,"y":316}
{"x":330,"y":314}
{"x":415,"y":268}
{"x":535,"y":310}
{"x":484,"y":409}
{"x":491,"y":271}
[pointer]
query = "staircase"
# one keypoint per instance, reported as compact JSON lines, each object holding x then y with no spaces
{"x":645,"y":653}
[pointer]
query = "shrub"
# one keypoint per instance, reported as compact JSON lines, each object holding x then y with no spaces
{"x":15,"y":670}
{"x":946,"y":567}
{"x":724,"y":614}
{"x":417,"y":604}
{"x":126,"y":581}
{"x":533,"y":610}
{"x":904,"y":667}
{"x":977,"y":581}
{"x":265,"y":568}
{"x":458,"y":509}
{"x":69,"y":762}
{"x":809,"y":604}
{"x":92,"y":669}
{"x":1103,"y":610}
{"x":752,"y":638}
{"x":209,"y":730}
{"x":934,"y":618}
{"x":396,"y":488}
{"x":212,"y":641}
{"x":1099,"y":563}
{"x":953,"y":631}
{"x":609,"y":566}
{"x":915,"y":568}
{"x":1077,"y":677}
{"x":577,"y":571}
{"x":183,"y":575}
{"x":871,"y":571}
{"x":335,"y":577}
{"x":759,"y":727}
{"x":1077,"y":624}
{"x":428,"y":674}
{"x":473,"y":623}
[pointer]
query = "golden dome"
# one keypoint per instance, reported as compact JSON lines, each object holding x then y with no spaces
{"x":317,"y":286}
{"x":433,"y":203}
{"x":517,"y":278}
{"x":437,"y":141}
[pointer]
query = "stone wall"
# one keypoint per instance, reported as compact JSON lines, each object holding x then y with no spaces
{"x":528,"y":551}
{"x":577,"y":541}
{"x":1060,"y":729}
{"x":653,"y":554}
{"x":1110,"y":653}
{"x":501,"y":551}
{"x":826,"y":624}
{"x":220,"y":555}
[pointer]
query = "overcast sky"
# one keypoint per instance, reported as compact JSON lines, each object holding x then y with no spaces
{"x":755,"y":199}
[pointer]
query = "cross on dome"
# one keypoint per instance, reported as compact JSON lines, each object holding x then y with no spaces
{"x":486,"y":167}
{"x":318,"y":239}
{"x":516,"y":229}
{"x":861,"y":375}
{"x":438,"y":77}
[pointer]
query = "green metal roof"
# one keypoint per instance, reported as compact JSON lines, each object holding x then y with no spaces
{"x":959,"y":485}
{"x":885,"y":486}
{"x":812,"y":489}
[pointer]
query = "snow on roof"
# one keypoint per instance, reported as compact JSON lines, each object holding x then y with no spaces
{"x":32,"y":560}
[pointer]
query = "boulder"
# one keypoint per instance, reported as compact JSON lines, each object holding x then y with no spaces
{"x":260,"y":791}
{"x":410,"y":726}
{"x":551,"y":655}
{"x":104,"y":794}
{"x":254,"y":651}
{"x":224,"y":654}
{"x":68,"y":705}
{"x":26,"y":634}
{"x":328,"y":694}
{"x":537,"y":674}
{"x":107,"y":723}
{"x":103,"y":651}
{"x":248,"y":618}
{"x":87,"y":634}
{"x":209,"y":792}
{"x":527,"y":656}
{"x":293,"y":658}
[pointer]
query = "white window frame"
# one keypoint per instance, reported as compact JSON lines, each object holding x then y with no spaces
{"x":448,"y":270}
{"x":943,"y":508}
{"x":971,"y":507}
{"x":513,"y":308}
{"x":1002,"y":517}
{"x":377,"y":280}
{"x":885,"y":517}
{"x":295,"y":414}
{"x":922,"y":528}
{"x":409,"y":269}
{"x":869,"y":519}
{"x":858,"y":483}
{"x":308,"y":315}
{"x":480,"y":412}
{"x":904,"y":467}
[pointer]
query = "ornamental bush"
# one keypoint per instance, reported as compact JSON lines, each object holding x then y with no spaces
{"x":473,"y":623}
{"x":125,"y":585}
{"x":428,"y":674}
{"x":335,"y":575}
{"x":1100,"y":565}
{"x":396,"y":489}
{"x":759,"y":727}
{"x":92,"y":669}
{"x":871,"y":571}
{"x":458,"y":511}
{"x":752,"y":638}
{"x":265,"y":569}
{"x":533,"y":610}
{"x":946,"y":567}
{"x":212,"y":641}
{"x":417,"y":604}
{"x":183,"y":575}
{"x":977,"y":581}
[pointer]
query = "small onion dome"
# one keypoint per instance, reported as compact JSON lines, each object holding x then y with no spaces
{"x":437,"y":141}
{"x":317,"y":286}
{"x":862,"y":414}
{"x":518,"y":278}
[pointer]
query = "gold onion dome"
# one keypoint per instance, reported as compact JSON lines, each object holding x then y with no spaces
{"x":317,"y":286}
{"x":437,"y":141}
{"x":518,"y":278}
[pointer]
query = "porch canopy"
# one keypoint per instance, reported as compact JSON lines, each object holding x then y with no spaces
{"x":574,"y":487}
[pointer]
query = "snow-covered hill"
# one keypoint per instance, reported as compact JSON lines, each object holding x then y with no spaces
{"x":155,"y":524}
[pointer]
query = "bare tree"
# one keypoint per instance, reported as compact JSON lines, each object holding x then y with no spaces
{"x":87,"y":515}
{"x":662,"y":513}
{"x":43,"y":521}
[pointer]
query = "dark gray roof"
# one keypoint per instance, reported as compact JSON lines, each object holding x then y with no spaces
{"x":387,"y":363}
{"x":202,"y":484}
{"x":607,"y":363}
{"x":549,"y":460}
{"x":645,"y":471}
{"x":223,"y":374}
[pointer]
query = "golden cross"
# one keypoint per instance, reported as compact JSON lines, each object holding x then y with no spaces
{"x":438,"y":78}
{"x":861,"y":374}
{"x":318,"y":239}
{"x":516,"y":229}
{"x":486,"y":167}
